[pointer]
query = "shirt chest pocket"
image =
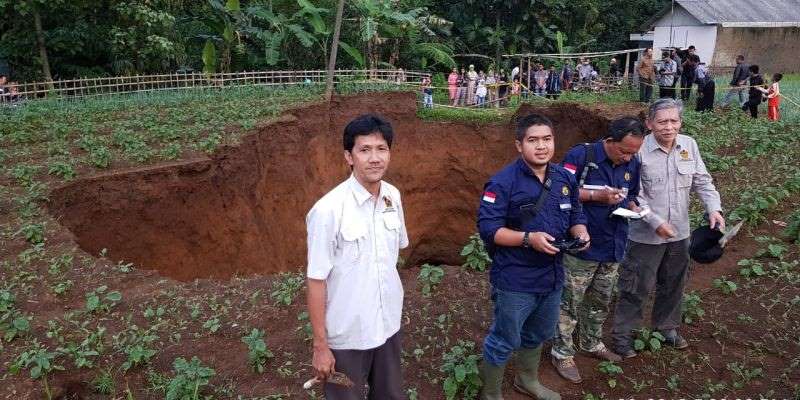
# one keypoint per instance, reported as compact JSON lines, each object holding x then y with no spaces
{"x":352,"y":246}
{"x":391,"y":221}
{"x":686,"y":171}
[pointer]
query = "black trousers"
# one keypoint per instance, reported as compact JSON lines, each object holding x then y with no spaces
{"x":706,"y":101}
{"x":752,"y":106}
{"x":666,"y":91}
{"x":686,"y":87}
{"x":378,"y":368}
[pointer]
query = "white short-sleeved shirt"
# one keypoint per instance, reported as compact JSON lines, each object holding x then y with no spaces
{"x":353,"y":244}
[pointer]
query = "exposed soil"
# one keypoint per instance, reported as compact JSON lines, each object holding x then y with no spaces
{"x":241,"y":212}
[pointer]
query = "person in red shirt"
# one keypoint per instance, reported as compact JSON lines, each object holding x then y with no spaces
{"x":774,"y":98}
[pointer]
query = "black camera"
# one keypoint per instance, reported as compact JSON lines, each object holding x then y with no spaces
{"x":569,"y":245}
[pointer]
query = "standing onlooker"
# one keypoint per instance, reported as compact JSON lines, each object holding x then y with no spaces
{"x":553,"y":84}
{"x":540,"y":80}
{"x":705,"y":89}
{"x":4,"y":90}
{"x":738,"y":81}
{"x":666,"y":76}
{"x":354,"y":292}
{"x":472,"y":79}
{"x":515,"y":91}
{"x":688,"y":74}
{"x":503,"y":89}
{"x":427,"y":92}
{"x":657,"y":254}
{"x":461,"y":92}
{"x":566,"y":75}
{"x":480,"y":92}
{"x":679,"y":65}
{"x":452,"y":84}
{"x":491,"y":87}
{"x":585,"y":72}
{"x":647,"y":76}
{"x":613,"y":68}
{"x":754,"y":96}
{"x":774,"y":98}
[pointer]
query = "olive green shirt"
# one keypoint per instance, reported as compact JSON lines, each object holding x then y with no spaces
{"x":667,"y":177}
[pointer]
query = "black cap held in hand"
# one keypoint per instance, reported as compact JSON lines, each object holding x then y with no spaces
{"x":704,"y":245}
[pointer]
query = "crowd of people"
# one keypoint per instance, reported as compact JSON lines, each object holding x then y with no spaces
{"x":559,"y":242}
{"x":471,"y":87}
{"x":679,"y":70}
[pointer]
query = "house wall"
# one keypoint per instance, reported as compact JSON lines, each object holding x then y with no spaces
{"x":773,"y":49}
{"x":703,"y":37}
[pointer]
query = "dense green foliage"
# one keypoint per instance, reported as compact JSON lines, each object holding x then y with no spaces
{"x":84,"y":38}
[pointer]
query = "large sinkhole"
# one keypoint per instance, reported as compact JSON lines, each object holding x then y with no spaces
{"x":242,"y":211}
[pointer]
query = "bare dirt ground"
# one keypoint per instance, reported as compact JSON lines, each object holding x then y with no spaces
{"x":207,"y":236}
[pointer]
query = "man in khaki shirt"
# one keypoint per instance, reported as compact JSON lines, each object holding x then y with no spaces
{"x":647,"y":76}
{"x":657,"y":254}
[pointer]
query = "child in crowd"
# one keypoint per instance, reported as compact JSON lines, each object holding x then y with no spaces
{"x":754,"y":98}
{"x":480,"y":92}
{"x":515,"y":87}
{"x":774,"y":98}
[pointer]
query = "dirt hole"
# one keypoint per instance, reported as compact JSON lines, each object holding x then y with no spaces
{"x":242,"y":211}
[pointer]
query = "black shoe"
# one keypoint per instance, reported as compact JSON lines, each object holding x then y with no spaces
{"x":625,"y":351}
{"x":675,"y":340}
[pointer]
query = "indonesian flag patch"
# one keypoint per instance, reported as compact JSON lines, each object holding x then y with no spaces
{"x":489,"y":197}
{"x":571,"y":168}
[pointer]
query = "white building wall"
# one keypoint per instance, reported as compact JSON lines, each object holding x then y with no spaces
{"x":704,"y":38}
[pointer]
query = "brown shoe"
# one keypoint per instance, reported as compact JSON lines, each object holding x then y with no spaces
{"x":567,"y":369}
{"x":605,"y":354}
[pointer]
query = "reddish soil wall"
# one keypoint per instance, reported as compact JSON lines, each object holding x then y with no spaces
{"x":242,"y":211}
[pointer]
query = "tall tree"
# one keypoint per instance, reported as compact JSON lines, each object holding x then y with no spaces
{"x":337,"y":26}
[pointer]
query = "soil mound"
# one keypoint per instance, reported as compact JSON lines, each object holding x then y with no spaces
{"x":242,"y":210}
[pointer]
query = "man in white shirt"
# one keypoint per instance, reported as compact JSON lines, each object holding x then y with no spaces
{"x":355,"y":296}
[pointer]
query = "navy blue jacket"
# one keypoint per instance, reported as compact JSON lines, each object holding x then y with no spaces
{"x":609,"y":234}
{"x":522,"y":269}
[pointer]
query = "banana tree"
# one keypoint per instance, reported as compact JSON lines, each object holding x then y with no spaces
{"x":277,"y":31}
{"x":384,"y":24}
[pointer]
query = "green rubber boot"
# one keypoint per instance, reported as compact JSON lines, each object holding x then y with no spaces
{"x":492,"y":378}
{"x":527,"y":379}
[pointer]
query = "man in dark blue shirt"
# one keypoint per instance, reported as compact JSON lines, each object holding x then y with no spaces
{"x":608,"y":173}
{"x":527,"y":211}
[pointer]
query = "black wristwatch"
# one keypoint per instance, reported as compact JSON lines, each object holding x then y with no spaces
{"x":525,"y":240}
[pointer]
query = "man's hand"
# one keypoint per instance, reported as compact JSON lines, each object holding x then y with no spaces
{"x":580,"y":232}
{"x":608,"y":196}
{"x":665,"y":231}
{"x":540,"y":241}
{"x":634,"y":207}
{"x":323,"y":362}
{"x":716,"y":220}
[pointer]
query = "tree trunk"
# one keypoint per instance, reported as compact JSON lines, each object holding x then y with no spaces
{"x":337,"y":26}
{"x":498,"y":46}
{"x":37,"y":23}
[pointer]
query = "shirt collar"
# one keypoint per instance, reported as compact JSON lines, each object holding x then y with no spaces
{"x":599,"y":152}
{"x":527,"y":170}
{"x":651,"y":143}
{"x":360,"y":193}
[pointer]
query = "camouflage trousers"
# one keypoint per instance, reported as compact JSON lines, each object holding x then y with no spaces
{"x":588,"y":288}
